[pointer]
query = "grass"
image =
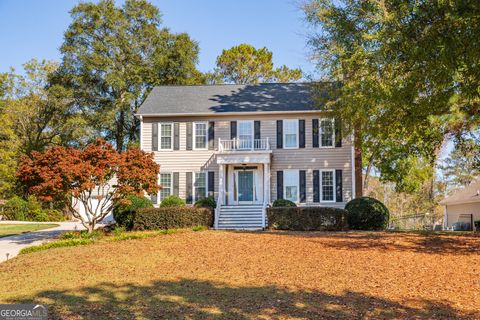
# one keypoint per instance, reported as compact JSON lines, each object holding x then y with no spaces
{"x":13,"y":229}
{"x":251,"y":275}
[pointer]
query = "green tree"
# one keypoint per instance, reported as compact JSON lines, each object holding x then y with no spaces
{"x":408,"y":71}
{"x":245,"y":64}
{"x":113,"y":56}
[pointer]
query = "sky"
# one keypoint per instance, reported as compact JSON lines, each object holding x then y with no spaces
{"x":34,"y":28}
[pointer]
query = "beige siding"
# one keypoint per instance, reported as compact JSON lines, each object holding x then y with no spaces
{"x":307,"y":158}
{"x":455,"y":210}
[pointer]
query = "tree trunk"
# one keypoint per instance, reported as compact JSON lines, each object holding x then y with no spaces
{"x":358,"y":162}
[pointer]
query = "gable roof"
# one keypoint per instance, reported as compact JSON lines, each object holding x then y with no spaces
{"x":469,"y":194}
{"x":219,"y":99}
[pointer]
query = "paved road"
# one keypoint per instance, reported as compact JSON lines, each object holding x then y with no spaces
{"x":13,"y":244}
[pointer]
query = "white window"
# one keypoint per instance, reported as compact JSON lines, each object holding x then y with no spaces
{"x":166,"y":136}
{"x":245,"y":134}
{"x":166,"y":184}
{"x":200,"y":135}
{"x":290,"y":134}
{"x":327,"y":185}
{"x":200,"y":185}
{"x":327,"y":133}
{"x":291,"y":185}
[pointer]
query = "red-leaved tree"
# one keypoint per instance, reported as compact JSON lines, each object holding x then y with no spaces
{"x":97,"y":172}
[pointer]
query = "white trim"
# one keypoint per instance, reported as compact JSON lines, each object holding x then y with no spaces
{"x":194,"y":179}
{"x":297,"y":185}
{"x":141,"y":132}
{"x":160,"y":136}
{"x":297,"y":134}
{"x":210,"y":114}
{"x":194,"y":144}
{"x":320,"y":133}
{"x":159,"y":201}
{"x":334,"y":184}
{"x":353,"y":172}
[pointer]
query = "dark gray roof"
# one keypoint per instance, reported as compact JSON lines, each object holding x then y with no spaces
{"x":214,"y":99}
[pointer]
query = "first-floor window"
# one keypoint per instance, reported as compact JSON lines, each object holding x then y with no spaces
{"x":200,"y":185}
{"x":166,"y":184}
{"x":327,"y":185}
{"x":166,"y":131}
{"x":290,"y":185}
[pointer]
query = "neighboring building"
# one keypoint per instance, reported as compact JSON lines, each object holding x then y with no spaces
{"x":246,"y":145}
{"x":462,"y":208}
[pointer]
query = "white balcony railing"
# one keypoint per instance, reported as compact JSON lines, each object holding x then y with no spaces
{"x":243,"y":145}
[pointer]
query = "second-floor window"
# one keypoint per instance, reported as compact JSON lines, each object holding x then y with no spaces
{"x":290,"y":133}
{"x":327,"y":133}
{"x":200,"y":135}
{"x":166,"y":136}
{"x":245,"y":134}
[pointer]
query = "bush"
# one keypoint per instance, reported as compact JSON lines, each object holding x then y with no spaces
{"x":171,"y":218}
{"x":283,"y":203}
{"x":307,"y":218}
{"x":477,"y":225}
{"x":367,"y":214}
{"x":172,"y":201}
{"x":124,"y":209}
{"x":208,"y":202}
{"x":29,"y":210}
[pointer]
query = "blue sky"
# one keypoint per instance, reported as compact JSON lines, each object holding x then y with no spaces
{"x":34,"y":28}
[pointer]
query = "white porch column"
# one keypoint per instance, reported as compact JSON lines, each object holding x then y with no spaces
{"x":266,"y":191}
{"x":221,"y":192}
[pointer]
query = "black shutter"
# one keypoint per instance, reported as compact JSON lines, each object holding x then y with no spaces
{"x":279,"y":134}
{"x":176,"y":136}
{"x":176,"y":182}
{"x":256,"y":126}
{"x":189,"y":136}
{"x":303,"y":186}
{"x":315,"y":132}
{"x":233,"y":129}
{"x":338,"y":133}
{"x":155,"y":136}
{"x":211,"y":135}
{"x":339,"y":185}
{"x":279,"y":184}
{"x":211,"y":183}
{"x":316,"y":186}
{"x":189,"y":196}
{"x":301,"y":133}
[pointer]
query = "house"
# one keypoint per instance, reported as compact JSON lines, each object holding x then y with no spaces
{"x":246,"y":145}
{"x":462,"y":208}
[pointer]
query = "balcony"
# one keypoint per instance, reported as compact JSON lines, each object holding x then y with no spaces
{"x":243,"y":145}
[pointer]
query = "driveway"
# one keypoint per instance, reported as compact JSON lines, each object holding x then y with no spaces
{"x":13,"y":244}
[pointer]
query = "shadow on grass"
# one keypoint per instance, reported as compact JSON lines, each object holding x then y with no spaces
{"x":431,"y":243}
{"x":191,"y":299}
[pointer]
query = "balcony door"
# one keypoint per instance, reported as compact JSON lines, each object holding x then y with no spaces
{"x":245,"y":135}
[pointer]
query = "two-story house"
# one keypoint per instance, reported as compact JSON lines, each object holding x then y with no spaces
{"x":246,"y":145}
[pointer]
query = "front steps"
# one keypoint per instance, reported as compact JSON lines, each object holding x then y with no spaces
{"x":241,"y":217}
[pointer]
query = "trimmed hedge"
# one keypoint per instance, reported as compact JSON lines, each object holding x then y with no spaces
{"x":367,"y":213}
{"x":307,"y":218}
{"x":171,"y":218}
{"x":123,"y":213}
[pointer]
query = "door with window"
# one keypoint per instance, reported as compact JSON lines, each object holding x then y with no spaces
{"x":244,"y":185}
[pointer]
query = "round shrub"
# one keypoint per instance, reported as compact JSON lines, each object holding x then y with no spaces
{"x":283,"y":203}
{"x":367,"y":213}
{"x":172,"y":201}
{"x":123,"y":209}
{"x":208,"y":202}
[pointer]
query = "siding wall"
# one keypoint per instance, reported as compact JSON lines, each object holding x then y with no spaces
{"x":455,"y":210}
{"x":307,"y":158}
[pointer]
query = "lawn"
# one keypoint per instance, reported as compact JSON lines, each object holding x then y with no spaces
{"x":12,"y":229}
{"x":251,"y":275}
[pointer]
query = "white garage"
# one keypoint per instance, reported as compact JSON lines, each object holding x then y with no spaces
{"x":462,"y":208}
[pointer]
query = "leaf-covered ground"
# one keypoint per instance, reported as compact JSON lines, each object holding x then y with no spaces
{"x":266,"y":275}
